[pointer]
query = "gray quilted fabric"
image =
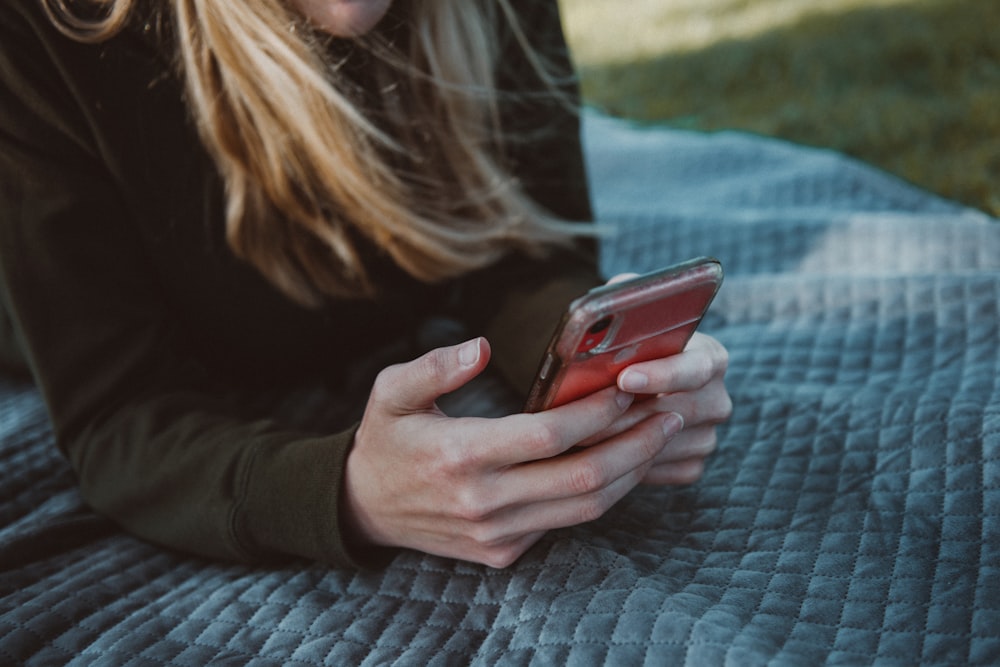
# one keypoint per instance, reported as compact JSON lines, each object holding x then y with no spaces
{"x":850,"y":516}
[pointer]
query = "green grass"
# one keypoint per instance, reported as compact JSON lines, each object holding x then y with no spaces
{"x":911,"y":86}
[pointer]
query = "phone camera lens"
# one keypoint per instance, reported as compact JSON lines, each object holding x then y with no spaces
{"x":596,"y":335}
{"x":600,"y":325}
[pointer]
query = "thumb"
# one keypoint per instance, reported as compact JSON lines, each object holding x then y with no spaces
{"x":416,"y":385}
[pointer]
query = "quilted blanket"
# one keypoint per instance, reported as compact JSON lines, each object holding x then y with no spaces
{"x":850,"y":516}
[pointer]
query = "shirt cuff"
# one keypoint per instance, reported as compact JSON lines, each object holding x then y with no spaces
{"x":291,"y":503}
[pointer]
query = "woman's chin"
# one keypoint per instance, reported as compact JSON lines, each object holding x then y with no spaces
{"x":344,"y":18}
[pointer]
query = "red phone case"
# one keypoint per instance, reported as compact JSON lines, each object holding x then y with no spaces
{"x":613,"y":326}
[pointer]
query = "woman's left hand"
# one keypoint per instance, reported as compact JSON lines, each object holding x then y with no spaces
{"x":690,"y":384}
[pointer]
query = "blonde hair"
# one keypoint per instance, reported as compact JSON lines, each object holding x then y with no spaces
{"x":309,"y":170}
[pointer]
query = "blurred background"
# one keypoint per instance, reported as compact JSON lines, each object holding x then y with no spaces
{"x":911,"y":86}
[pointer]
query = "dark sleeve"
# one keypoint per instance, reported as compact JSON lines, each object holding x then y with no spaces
{"x":156,"y":440}
{"x":517,"y":303}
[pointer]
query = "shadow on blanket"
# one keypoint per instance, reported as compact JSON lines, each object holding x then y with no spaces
{"x":851,"y":514}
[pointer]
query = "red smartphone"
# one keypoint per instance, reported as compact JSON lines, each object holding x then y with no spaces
{"x":613,"y":326}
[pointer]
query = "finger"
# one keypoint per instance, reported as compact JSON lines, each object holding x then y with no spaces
{"x":694,"y":442}
{"x":483,"y":547}
{"x":415,"y":385}
{"x":641,"y":410}
{"x":563,"y":511}
{"x":588,"y":471}
{"x":682,"y":461}
{"x":529,"y":437}
{"x":676,"y":473}
{"x":690,"y":370}
{"x":500,"y":537}
{"x":711,"y":405}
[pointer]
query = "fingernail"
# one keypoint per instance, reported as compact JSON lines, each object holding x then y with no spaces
{"x":468,"y":354}
{"x":633,"y":381}
{"x":673,"y":424}
{"x":624,"y":400}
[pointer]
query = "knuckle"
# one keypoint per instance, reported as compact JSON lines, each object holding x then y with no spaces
{"x":718,"y":353}
{"x":716,"y":410}
{"x":480,"y":534}
{"x":713,"y":441}
{"x":654,"y":440}
{"x":489,"y":537}
{"x":710,"y":362}
{"x":544,"y":439}
{"x":471,"y":506}
{"x":431,"y":366}
{"x":587,"y":477}
{"x":701,"y":443}
{"x":455,"y":455}
{"x":706,"y":369}
{"x":690,"y":471}
{"x":725,"y":408}
{"x":384,"y":380}
{"x":709,"y":442}
{"x":594,"y":507}
{"x":501,"y":557}
{"x":722,"y":358}
{"x":448,"y":458}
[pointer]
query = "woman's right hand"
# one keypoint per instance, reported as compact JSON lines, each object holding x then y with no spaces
{"x":485,"y":490}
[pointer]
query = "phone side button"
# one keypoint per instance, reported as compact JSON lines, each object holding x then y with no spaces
{"x":546,"y":367}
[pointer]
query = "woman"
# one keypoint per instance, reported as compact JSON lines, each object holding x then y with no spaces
{"x":204,"y":201}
